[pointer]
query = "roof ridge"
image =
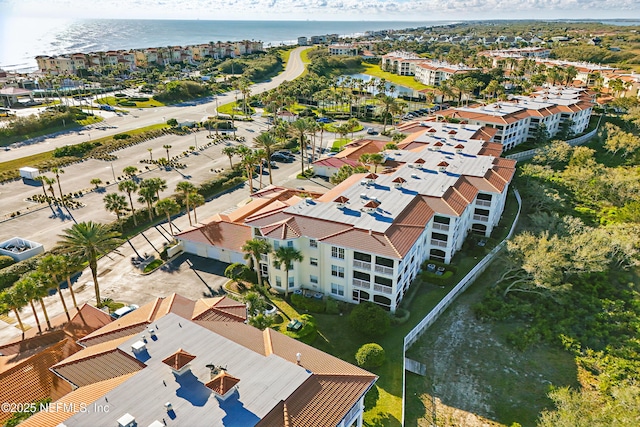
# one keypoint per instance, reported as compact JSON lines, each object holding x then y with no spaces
{"x":393,"y":246}
{"x":113,"y":331}
{"x":268,"y":344}
{"x":156,"y":307}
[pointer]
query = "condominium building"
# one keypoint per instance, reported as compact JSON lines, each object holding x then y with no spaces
{"x":190,"y":369}
{"x":343,"y":50}
{"x":518,"y":119}
{"x":400,"y":62}
{"x":365,"y":239}
{"x":435,"y":72}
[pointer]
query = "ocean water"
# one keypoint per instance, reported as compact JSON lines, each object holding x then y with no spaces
{"x":22,"y":40}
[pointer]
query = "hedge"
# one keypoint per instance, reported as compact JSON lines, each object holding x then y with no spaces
{"x":10,"y":275}
{"x":314,"y":305}
{"x":6,"y":261}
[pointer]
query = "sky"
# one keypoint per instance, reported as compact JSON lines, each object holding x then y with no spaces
{"x":327,"y":10}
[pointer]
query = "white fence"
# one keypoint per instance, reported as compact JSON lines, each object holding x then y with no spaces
{"x":526,"y":155}
{"x":462,"y":285}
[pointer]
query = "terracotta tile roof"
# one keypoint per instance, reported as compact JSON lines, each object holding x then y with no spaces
{"x":243,"y":334}
{"x":222,"y":383}
{"x":361,"y":240}
{"x":491,"y":149}
{"x":495,"y":180}
{"x":287,"y":229}
{"x":219,"y":309}
{"x":466,"y":189}
{"x":455,"y":201}
{"x":357,"y":148}
{"x":440,"y":206}
{"x":341,"y":199}
{"x":482,"y":184}
{"x":179,"y":359}
{"x":306,"y":407}
{"x":333,"y":162}
{"x":30,"y":379}
{"x":94,"y":350}
{"x":222,"y":234}
{"x":100,"y":367}
{"x":81,"y":396}
{"x":177,"y":304}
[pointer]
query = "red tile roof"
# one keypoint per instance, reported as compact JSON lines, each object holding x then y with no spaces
{"x":222,"y":383}
{"x":179,"y":359}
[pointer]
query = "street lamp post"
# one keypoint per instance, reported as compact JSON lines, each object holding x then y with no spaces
{"x":113,"y":172}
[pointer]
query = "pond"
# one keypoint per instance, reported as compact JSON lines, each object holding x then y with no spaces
{"x":399,"y":90}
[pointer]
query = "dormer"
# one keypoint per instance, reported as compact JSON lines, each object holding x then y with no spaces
{"x":398,"y":182}
{"x":179,"y":361}
{"x":370,"y":178}
{"x":340,"y":201}
{"x":442,"y":166}
{"x":223,"y":385}
{"x":371,"y":206}
{"x":459,"y":148}
{"x":417,"y":164}
{"x":438,"y":146}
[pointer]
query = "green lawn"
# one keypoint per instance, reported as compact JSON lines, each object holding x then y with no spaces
{"x":408,"y":81}
{"x":230,"y":108}
{"x":339,"y":143}
{"x":112,"y":100}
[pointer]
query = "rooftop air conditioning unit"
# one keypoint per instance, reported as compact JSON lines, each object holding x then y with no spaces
{"x":415,"y":175}
{"x":127,"y":420}
{"x":364,"y":196}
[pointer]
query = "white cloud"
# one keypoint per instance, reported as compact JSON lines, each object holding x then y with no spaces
{"x":410,"y":10}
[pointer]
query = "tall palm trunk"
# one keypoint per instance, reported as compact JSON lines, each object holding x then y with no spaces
{"x":170,"y":224}
{"x":73,"y":294}
{"x":15,"y":311}
{"x":44,"y":312}
{"x":93,"y":265}
{"x":195,"y":216}
{"x":35,"y":315}
{"x":64,"y":303}
{"x":133,"y":210}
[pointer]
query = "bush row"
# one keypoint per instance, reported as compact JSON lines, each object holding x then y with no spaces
{"x":313,"y":305}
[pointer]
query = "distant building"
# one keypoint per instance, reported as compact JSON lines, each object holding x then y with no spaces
{"x":433,"y":73}
{"x":402,"y":63}
{"x":302,"y":41}
{"x":343,"y":50}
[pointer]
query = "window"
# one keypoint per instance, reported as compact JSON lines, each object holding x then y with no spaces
{"x":384,"y":261}
{"x":439,"y":236}
{"x":383,"y":281}
{"x":278,"y":282}
{"x":276,"y":245}
{"x":337,"y":252}
{"x":481,"y":212}
{"x":482,"y":196}
{"x":337,"y":271}
{"x":291,"y":281}
{"x":337,"y":289}
{"x":441,"y":219}
{"x":290,"y":243}
{"x":313,"y":243}
{"x":313,"y":261}
{"x":362,"y":257}
{"x":361,"y":276}
{"x":313,"y":279}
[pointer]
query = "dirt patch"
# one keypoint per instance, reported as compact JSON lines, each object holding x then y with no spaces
{"x":475,"y":379}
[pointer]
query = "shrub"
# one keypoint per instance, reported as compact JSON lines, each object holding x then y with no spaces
{"x":313,"y":305}
{"x":370,"y":356}
{"x":308,"y":331}
{"x":127,"y":103}
{"x":9,"y":275}
{"x":369,"y":319}
{"x":6,"y":261}
{"x":443,"y":279}
{"x":120,"y":95}
{"x":121,"y":136}
{"x":139,"y":99}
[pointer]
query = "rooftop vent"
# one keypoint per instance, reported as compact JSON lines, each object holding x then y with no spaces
{"x":157,"y":423}
{"x":308,"y":200}
{"x":415,"y":175}
{"x":438,"y":145}
{"x":371,"y":206}
{"x":432,"y":130}
{"x":127,"y":420}
{"x":138,"y":347}
{"x":340,"y":201}
{"x":371,"y":178}
{"x":459,"y":148}
{"x":179,"y":361}
{"x":364,"y":196}
{"x":223,"y":385}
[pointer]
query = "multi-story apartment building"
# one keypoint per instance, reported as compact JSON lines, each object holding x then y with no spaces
{"x":402,"y":63}
{"x":343,"y":50}
{"x":145,"y":57}
{"x":517,"y":120}
{"x":365,"y":239}
{"x":435,"y":72}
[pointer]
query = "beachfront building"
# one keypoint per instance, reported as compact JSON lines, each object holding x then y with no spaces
{"x":517,"y":120}
{"x":401,"y":63}
{"x":343,"y":49}
{"x":366,"y":239}
{"x":134,"y":58}
{"x":433,"y":73}
{"x":187,"y":369}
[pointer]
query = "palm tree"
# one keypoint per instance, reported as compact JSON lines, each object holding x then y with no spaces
{"x":129,"y":187}
{"x":254,"y":248}
{"x":229,"y":152}
{"x":285,"y":256}
{"x":52,"y":266}
{"x":157,"y":184}
{"x":261,"y":157}
{"x":10,"y":300}
{"x":116,"y":203}
{"x":130,"y":171}
{"x":388,"y":104}
{"x":268,"y":143}
{"x":87,"y":240}
{"x":249,"y":162}
{"x":186,"y":188}
{"x":57,"y":172}
{"x":41,"y":291}
{"x":376,"y":159}
{"x":44,"y":180}
{"x":28,"y":288}
{"x":69,"y":267}
{"x":150,"y":150}
{"x":167,"y":147}
{"x":195,"y":200}
{"x":148,"y":196}
{"x":169,"y":207}
{"x":96,"y":182}
{"x":300,"y":128}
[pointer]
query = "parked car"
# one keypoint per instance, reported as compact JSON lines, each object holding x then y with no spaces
{"x":371,"y":131}
{"x":124,"y":311}
{"x":286,"y":153}
{"x":324,"y":120}
{"x":281,"y":158}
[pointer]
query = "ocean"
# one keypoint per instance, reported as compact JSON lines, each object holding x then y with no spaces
{"x":21,"y":40}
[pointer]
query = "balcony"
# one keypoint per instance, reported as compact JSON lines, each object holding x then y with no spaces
{"x":362,"y":265}
{"x":483,"y":203}
{"x":438,"y":243}
{"x":361,"y":284}
{"x":438,"y":226}
{"x":383,"y":270}
{"x":481,"y":218}
{"x":383,"y":289}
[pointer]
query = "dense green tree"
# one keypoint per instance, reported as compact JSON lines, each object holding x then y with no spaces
{"x":369,"y":319}
{"x":253,"y":249}
{"x":284,"y":257}
{"x":370,"y":355}
{"x":168,"y":207}
{"x":129,"y":187}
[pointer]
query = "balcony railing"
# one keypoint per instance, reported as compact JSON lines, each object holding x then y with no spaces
{"x":361,"y":284}
{"x":483,"y":202}
{"x":383,"y":270}
{"x":438,"y":243}
{"x":438,"y":226}
{"x":481,"y":218}
{"x":263,"y":257}
{"x":362,"y":265}
{"x":382,"y":288}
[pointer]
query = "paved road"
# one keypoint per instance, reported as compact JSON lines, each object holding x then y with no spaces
{"x":137,"y":118}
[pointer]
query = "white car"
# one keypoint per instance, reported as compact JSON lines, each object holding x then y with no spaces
{"x":124,"y":310}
